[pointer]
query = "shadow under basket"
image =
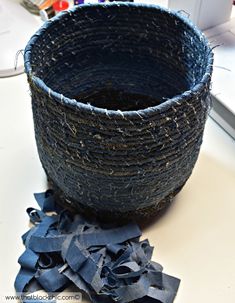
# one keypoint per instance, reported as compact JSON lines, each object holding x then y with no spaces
{"x":120,"y":100}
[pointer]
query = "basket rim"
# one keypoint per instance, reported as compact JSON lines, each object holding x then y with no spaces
{"x":141,"y":113}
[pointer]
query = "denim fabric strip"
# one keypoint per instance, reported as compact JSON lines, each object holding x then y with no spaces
{"x":109,"y":263}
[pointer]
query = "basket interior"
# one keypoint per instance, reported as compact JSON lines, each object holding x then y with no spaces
{"x":119,"y":57}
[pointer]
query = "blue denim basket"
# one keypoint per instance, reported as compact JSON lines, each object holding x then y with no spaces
{"x":120,"y":100}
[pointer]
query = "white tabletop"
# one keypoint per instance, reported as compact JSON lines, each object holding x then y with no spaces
{"x":194,"y":240}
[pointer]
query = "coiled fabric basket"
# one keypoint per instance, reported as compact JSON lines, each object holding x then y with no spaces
{"x":120,"y":99}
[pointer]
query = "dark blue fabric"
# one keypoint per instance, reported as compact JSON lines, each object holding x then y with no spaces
{"x":46,"y":244}
{"x":109,"y":263}
{"x":51,"y":279}
{"x":28,"y":259}
{"x":46,"y":200}
{"x":23,"y":278}
{"x":75,"y":257}
{"x":112,"y":236}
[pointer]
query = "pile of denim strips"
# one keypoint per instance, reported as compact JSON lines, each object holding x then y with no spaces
{"x":109,"y":263}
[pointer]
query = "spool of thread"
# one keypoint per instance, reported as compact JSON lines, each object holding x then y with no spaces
{"x":77,"y":2}
{"x":60,"y":6}
{"x":46,"y":3}
{"x":47,"y":13}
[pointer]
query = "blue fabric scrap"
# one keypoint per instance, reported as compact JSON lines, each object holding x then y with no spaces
{"x":46,"y":201}
{"x":109,"y":263}
{"x":28,"y":259}
{"x":51,"y":279}
{"x":75,"y":256}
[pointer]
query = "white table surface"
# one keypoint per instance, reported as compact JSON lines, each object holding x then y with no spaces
{"x":194,"y":240}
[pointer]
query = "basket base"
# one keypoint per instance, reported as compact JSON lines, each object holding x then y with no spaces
{"x":139,"y":215}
